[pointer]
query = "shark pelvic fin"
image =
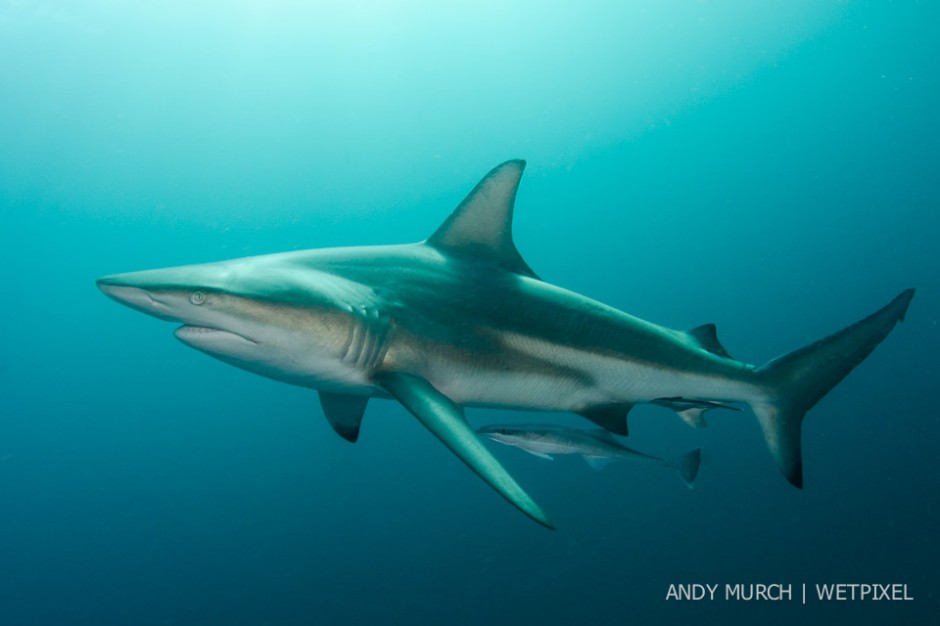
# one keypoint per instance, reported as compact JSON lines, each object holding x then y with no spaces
{"x":481,"y":226}
{"x":612,"y":417}
{"x":446,"y":421}
{"x":795,"y":382}
{"x":706,"y":336}
{"x":344,"y":413}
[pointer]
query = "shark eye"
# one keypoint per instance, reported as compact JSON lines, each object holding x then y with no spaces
{"x":197,"y":297}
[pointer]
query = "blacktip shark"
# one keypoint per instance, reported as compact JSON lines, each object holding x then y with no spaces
{"x":461,"y":320}
{"x":597,"y":447}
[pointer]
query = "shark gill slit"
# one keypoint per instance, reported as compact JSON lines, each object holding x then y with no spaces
{"x":355,"y":343}
{"x":369,"y":338}
{"x":382,"y":338}
{"x":375,"y":336}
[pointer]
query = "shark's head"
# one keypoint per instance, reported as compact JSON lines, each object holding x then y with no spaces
{"x":259,"y":313}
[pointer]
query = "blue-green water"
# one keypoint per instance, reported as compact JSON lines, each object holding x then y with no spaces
{"x":768,"y":166}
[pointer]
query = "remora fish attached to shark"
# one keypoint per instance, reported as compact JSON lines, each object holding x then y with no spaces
{"x":597,"y":447}
{"x":461,"y":319}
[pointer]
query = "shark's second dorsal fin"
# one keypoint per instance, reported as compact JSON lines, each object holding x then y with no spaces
{"x":706,"y":336}
{"x":481,"y":226}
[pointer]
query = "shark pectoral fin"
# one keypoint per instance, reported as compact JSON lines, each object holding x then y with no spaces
{"x":446,"y":421}
{"x":612,"y":417}
{"x":596,"y":462}
{"x":344,"y":413}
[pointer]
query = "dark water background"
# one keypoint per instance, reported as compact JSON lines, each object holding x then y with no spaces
{"x":768,"y":166}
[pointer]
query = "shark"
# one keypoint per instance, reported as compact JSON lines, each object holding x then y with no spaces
{"x":597,"y":447}
{"x":460,"y":320}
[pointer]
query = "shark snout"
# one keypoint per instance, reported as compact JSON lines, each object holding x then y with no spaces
{"x":117,"y":288}
{"x":155,"y":293}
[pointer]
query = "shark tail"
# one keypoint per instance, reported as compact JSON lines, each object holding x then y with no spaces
{"x":687,"y":466}
{"x":796,"y":381}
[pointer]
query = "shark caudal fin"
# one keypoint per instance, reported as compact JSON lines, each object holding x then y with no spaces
{"x":795,"y":382}
{"x":687,"y":465}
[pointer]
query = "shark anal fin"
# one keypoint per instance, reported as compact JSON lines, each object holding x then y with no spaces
{"x":446,"y":421}
{"x":481,"y":226}
{"x":344,"y":413}
{"x":612,"y":417}
{"x":706,"y":336}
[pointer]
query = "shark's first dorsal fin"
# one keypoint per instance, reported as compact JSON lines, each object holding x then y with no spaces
{"x":481,"y":225}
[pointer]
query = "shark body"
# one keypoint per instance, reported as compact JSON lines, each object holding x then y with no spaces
{"x":597,"y":447}
{"x":461,"y":320}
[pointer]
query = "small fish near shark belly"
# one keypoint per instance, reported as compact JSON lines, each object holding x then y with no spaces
{"x":597,"y":447}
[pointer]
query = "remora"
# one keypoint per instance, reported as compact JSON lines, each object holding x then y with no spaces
{"x":597,"y":447}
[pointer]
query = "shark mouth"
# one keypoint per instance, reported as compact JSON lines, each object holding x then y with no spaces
{"x":202,"y":335}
